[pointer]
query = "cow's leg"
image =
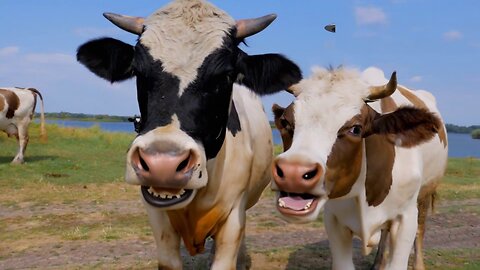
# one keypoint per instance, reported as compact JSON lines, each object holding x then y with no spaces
{"x":402,"y":236}
{"x":167,"y":240}
{"x":379,"y":262}
{"x":22,"y":138}
{"x":340,"y":241}
{"x":228,"y":240}
{"x":423,"y":206}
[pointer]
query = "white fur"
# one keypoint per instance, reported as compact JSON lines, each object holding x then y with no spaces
{"x":183,"y":34}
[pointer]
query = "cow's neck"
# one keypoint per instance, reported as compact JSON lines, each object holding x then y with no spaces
{"x":200,"y":219}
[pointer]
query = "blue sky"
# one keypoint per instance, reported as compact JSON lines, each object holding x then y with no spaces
{"x":433,"y":45}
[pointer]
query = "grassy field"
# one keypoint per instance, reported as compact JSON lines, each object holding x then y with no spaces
{"x":69,"y":208}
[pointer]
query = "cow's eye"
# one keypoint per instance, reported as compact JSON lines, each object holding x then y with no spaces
{"x":284,"y":123}
{"x":356,"y":130}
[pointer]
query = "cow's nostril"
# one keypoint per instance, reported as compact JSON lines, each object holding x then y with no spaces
{"x":309,"y":175}
{"x":183,"y":164}
{"x":144,"y":164}
{"x":279,"y":171}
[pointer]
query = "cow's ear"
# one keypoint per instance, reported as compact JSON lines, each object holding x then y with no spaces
{"x":277,"y":112}
{"x":108,"y":58}
{"x":407,"y":126}
{"x":268,"y":73}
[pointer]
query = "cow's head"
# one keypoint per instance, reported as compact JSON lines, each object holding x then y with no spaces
{"x":339,"y":143}
{"x":185,"y":62}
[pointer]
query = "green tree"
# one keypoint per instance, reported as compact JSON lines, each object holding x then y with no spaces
{"x":476,"y":133}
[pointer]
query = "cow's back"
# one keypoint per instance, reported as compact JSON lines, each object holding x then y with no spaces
{"x":434,"y":153}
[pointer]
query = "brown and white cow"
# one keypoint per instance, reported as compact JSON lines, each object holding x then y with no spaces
{"x":204,"y":149}
{"x":17,"y":107}
{"x":367,"y":169}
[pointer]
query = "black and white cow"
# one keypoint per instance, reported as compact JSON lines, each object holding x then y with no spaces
{"x":204,"y":147}
{"x":17,"y":107}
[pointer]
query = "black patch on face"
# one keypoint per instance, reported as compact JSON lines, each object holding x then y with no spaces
{"x":233,"y":124}
{"x":202,"y":110}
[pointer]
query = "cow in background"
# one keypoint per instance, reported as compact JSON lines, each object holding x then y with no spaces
{"x":17,"y":108}
{"x":204,"y":149}
{"x":359,"y":200}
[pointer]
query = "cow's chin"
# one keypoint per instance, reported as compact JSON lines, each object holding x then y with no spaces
{"x":299,"y":208}
{"x":168,"y":199}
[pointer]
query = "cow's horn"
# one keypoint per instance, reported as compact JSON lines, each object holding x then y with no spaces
{"x":249,"y":27}
{"x":130,"y":24}
{"x":379,"y":92}
{"x":294,"y":90}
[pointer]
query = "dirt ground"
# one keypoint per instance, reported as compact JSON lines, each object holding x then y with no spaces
{"x":271,"y":242}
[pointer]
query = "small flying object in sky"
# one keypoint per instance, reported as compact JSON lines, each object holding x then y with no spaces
{"x":330,"y":28}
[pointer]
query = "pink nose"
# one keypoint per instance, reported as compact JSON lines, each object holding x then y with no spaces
{"x":163,"y":169}
{"x":296,"y":177}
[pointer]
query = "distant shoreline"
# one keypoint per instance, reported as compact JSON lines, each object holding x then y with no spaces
{"x":451,"y":128}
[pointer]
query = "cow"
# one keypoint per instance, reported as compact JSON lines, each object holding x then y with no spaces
{"x":17,"y":108}
{"x":203,"y":153}
{"x":370,"y":156}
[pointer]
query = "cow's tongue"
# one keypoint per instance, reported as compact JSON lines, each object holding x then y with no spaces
{"x":296,"y":203}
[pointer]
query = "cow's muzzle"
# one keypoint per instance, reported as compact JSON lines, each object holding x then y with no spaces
{"x":297,"y":187}
{"x":164,"y":174}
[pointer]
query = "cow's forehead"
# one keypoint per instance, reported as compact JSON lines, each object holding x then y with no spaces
{"x":329,"y":98}
{"x":182,"y":34}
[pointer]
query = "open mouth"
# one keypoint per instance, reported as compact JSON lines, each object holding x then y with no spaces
{"x":165,"y":198}
{"x":296,"y":204}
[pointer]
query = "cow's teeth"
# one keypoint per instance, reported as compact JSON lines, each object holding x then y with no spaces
{"x":307,"y":205}
{"x":281,"y":203}
{"x":165,"y":195}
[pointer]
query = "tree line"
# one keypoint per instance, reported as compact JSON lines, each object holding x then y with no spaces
{"x":85,"y":117}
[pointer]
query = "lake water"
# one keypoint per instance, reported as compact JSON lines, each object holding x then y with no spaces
{"x":460,"y":145}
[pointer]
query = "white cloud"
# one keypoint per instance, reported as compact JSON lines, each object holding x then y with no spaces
{"x":452,"y":35}
{"x":8,"y":51}
{"x":416,"y":79}
{"x":370,"y":15}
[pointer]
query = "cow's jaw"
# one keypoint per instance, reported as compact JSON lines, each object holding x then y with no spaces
{"x":299,"y":207}
{"x":161,"y":198}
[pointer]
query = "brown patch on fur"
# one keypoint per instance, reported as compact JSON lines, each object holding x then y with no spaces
{"x":417,"y":102}
{"x":344,"y":165}
{"x":194,"y":226}
{"x":285,"y":123}
{"x":2,"y":103}
{"x":13,"y":102}
{"x":345,"y":160}
{"x":380,"y":157}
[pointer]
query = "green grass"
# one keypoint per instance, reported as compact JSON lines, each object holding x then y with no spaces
{"x":71,"y":156}
{"x":462,"y":179}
